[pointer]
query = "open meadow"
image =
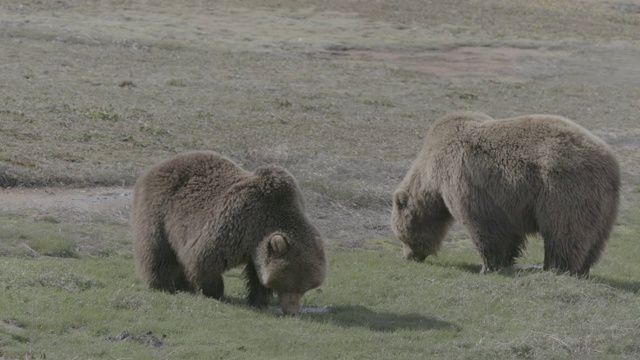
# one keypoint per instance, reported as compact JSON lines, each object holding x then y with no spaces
{"x":341,"y":93}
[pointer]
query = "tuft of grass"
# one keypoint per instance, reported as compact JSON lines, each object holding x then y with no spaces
{"x":102,"y":114}
{"x":22,"y":236}
{"x":176,"y":82}
{"x":70,"y":283}
{"x":379,"y":102}
{"x":352,"y":193}
{"x":51,"y":245}
{"x":283,"y":103}
{"x":154,"y":131}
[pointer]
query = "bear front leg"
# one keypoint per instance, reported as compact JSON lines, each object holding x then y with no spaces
{"x":206,"y":277}
{"x":213,"y":286}
{"x":258,"y":296}
{"x":565,"y":252}
{"x":181,"y":283}
{"x":489,"y":262}
{"x":498,"y":250}
{"x":494,"y":256}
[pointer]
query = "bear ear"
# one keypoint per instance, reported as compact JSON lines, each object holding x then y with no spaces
{"x":401,"y":198}
{"x":278,"y":245}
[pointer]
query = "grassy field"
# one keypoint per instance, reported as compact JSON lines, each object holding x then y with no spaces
{"x":76,"y":306}
{"x":342,"y":93}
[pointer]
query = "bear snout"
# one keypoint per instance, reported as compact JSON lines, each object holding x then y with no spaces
{"x":291,"y":303}
{"x":409,"y":254}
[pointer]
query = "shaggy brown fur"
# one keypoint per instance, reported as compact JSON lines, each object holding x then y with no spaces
{"x":198,"y":214}
{"x":505,"y":179}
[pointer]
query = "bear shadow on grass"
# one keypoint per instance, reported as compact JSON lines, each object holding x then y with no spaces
{"x":477,"y":268}
{"x":519,"y":269}
{"x":624,"y":285}
{"x":464,"y":266}
{"x":351,"y":316}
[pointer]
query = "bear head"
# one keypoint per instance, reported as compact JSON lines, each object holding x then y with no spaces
{"x":291,"y":265}
{"x":420,"y":223}
{"x":290,"y":259}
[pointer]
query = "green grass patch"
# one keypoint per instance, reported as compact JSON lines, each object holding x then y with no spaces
{"x":93,"y":305}
{"x":102,"y":114}
{"x":382,"y":307}
{"x":176,"y":82}
{"x":22,"y":236}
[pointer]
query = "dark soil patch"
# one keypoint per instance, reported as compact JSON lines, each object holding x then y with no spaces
{"x":145,"y":338}
{"x":10,"y":323}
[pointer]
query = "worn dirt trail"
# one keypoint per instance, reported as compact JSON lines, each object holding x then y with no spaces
{"x":95,"y":200}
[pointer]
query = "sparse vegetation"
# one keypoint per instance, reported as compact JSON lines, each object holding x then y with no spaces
{"x":381,"y":307}
{"x":341,"y":93}
{"x":176,"y":82}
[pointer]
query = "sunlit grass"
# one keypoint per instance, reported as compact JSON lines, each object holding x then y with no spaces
{"x":381,"y":307}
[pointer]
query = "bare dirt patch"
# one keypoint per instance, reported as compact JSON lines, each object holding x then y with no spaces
{"x":11,"y":324}
{"x":501,"y":64}
{"x":144,"y":338}
{"x":96,"y":200}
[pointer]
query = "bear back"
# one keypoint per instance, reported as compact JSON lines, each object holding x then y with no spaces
{"x":531,"y":149}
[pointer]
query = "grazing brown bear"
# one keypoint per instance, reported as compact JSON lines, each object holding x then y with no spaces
{"x":505,"y":179}
{"x":198,"y":214}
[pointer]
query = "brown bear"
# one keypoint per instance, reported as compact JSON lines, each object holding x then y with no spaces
{"x":199,"y":214}
{"x":505,"y":179}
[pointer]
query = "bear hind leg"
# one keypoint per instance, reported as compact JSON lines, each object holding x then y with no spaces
{"x":564,"y":254}
{"x":571,"y":245}
{"x":559,"y":259}
{"x":259,"y":296}
{"x":161,"y":271}
{"x":601,"y":235}
{"x":575,"y":234}
{"x":593,"y":255}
